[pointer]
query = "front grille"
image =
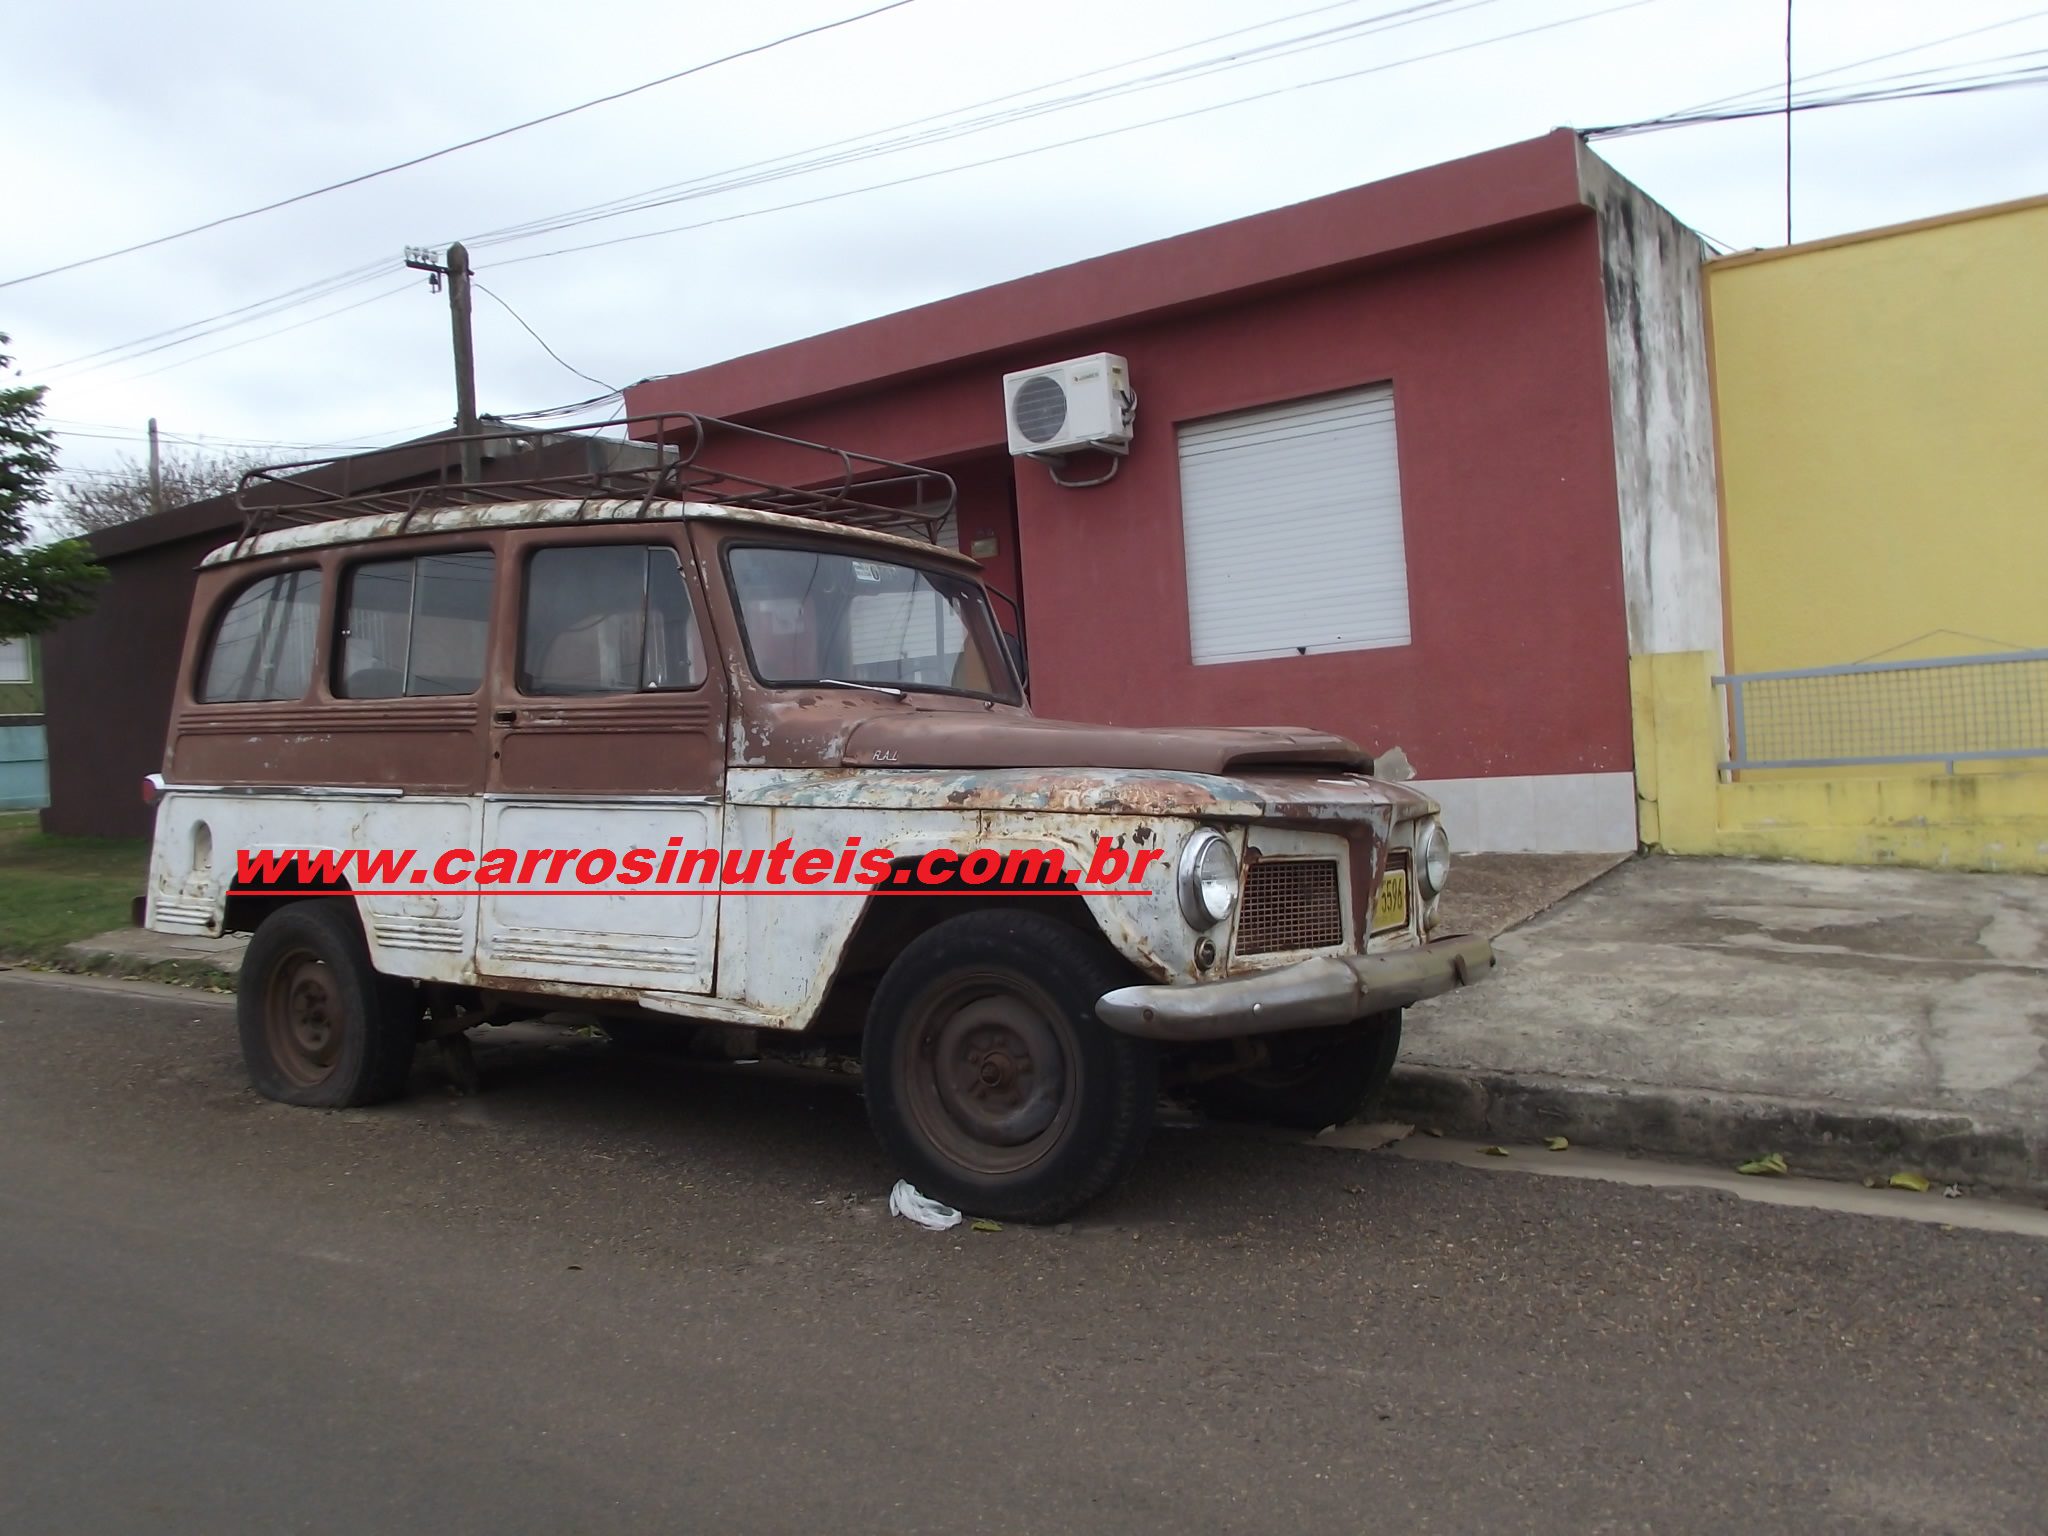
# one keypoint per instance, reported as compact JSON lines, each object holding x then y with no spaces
{"x":1290,"y":904}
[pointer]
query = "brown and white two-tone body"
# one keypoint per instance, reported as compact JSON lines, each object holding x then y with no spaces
{"x":611,"y":674}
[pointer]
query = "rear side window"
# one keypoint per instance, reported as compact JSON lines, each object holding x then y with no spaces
{"x":607,"y":618}
{"x":263,"y":646}
{"x":417,"y":628}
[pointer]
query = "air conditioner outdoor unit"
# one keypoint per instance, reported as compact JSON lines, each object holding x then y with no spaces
{"x":1085,"y":402}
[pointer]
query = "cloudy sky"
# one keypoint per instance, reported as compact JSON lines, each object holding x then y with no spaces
{"x":124,"y":121}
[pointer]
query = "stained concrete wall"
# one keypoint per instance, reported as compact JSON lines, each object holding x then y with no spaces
{"x":1662,"y":408}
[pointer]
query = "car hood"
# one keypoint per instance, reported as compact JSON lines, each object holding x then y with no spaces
{"x":977,"y":740}
{"x":1338,"y":801}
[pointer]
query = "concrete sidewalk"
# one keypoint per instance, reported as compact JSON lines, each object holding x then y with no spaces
{"x":137,"y":951}
{"x":1859,"y":1021}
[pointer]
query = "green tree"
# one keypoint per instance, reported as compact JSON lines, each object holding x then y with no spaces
{"x":40,"y":584}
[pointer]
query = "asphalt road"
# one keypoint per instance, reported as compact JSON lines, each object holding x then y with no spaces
{"x":609,"y":1294}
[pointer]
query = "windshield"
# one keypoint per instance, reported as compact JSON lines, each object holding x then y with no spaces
{"x":813,"y":616}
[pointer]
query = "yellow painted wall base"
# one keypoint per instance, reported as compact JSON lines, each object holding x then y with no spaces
{"x":1978,"y":821}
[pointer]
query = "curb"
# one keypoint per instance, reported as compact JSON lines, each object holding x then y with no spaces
{"x":1821,"y":1139}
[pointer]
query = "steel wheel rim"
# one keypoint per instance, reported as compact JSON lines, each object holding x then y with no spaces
{"x":989,"y":1072}
{"x":303,"y":1020}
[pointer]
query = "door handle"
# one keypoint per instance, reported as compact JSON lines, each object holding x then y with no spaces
{"x":504,"y":716}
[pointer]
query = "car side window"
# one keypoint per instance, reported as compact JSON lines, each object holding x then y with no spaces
{"x":262,"y":648}
{"x":607,"y":618}
{"x":415,"y":628}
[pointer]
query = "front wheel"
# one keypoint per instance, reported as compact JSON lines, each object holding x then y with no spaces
{"x":319,"y":1026}
{"x":990,"y":1081}
{"x":1311,"y":1078}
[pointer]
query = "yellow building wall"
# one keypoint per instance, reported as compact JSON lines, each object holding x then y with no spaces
{"x":1882,"y":414}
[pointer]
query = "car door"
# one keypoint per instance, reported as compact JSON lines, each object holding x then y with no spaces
{"x":605,"y":738}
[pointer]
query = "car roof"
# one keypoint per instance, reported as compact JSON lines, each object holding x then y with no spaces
{"x":524,"y":514}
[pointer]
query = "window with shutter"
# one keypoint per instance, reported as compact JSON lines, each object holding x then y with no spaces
{"x":1292,"y":524}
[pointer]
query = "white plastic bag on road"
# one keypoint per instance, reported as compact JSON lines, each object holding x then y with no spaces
{"x":905,"y":1201}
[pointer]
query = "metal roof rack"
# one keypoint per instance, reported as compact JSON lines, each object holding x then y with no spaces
{"x":662,"y":458}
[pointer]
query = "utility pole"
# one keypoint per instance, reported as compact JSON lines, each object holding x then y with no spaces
{"x":156,"y":471}
{"x":455,"y":267}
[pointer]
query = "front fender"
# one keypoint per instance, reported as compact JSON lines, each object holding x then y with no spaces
{"x":780,"y":953}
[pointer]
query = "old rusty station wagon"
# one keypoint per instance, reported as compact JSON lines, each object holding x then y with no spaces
{"x":663,"y":655}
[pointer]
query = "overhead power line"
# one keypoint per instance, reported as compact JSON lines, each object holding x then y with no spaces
{"x":870,"y":145}
{"x":1810,"y":76}
{"x":536,"y":335}
{"x":793,"y":163}
{"x":387,"y":293}
{"x":198,"y":442}
{"x":953,"y":123}
{"x":572,"y":408}
{"x":2036,"y":76}
{"x":319,"y":288}
{"x":484,"y":138}
{"x":1086,"y":138}
{"x":255,"y":309}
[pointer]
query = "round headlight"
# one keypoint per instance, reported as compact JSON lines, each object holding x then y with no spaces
{"x":1208,"y":879}
{"x":1433,"y":860}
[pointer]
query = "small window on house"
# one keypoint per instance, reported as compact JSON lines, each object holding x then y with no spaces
{"x":263,"y":645}
{"x":417,"y":628}
{"x":1292,"y":521}
{"x":14,"y":664}
{"x":608,"y":618}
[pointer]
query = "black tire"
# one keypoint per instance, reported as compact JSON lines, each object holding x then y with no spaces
{"x":1314,"y":1078}
{"x":990,"y":1082}
{"x":320,"y":1028}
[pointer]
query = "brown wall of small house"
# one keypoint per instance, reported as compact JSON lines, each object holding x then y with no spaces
{"x":107,"y":690}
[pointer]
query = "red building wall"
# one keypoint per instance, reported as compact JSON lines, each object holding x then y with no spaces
{"x":1519,"y":656}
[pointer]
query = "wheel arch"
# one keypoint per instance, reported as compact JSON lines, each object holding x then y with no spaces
{"x":888,"y":920}
{"x":249,"y":901}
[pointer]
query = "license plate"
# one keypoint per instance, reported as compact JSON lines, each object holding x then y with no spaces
{"x":1390,"y":906}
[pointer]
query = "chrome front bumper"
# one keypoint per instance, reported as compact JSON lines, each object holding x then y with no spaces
{"x":1330,"y":989}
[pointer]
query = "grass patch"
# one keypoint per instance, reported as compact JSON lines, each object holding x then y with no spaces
{"x":56,"y":890}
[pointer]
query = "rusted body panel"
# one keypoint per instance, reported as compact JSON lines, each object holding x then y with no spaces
{"x":1135,"y":792}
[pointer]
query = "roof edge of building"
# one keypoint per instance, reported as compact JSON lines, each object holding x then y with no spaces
{"x":1934,"y":221}
{"x":1454,"y":202}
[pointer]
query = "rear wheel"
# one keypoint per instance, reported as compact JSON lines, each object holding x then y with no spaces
{"x":1311,"y":1077}
{"x":990,"y":1081}
{"x":319,"y":1026}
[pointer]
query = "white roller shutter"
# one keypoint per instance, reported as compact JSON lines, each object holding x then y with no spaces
{"x":1292,"y":517}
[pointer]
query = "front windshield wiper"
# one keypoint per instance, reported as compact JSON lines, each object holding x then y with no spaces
{"x":840,"y":682}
